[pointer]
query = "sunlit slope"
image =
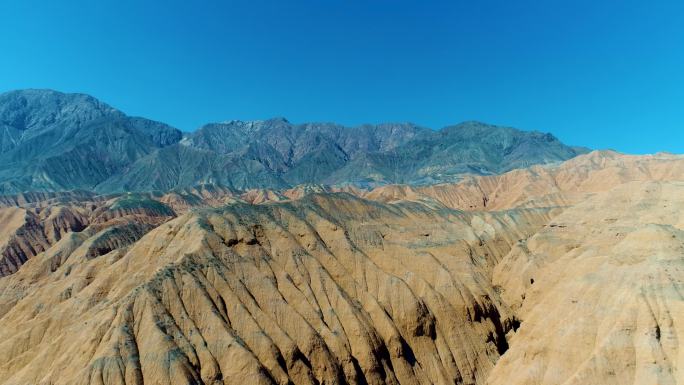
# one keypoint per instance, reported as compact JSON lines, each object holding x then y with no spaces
{"x":600,"y":290}
{"x":328,"y":289}
{"x":564,"y":184}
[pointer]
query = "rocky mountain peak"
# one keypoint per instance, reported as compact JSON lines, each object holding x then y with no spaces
{"x":43,"y":131}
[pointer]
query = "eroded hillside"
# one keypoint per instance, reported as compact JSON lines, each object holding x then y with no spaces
{"x":543,"y":186}
{"x":53,"y":141}
{"x":599,"y":292}
{"x":570,"y":274}
{"x":327,"y":289}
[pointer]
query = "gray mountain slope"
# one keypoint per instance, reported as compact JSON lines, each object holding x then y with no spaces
{"x":51,"y":141}
{"x":56,"y":141}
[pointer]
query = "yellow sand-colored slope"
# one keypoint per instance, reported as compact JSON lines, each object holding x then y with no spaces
{"x":543,"y":186}
{"x":571,"y":274}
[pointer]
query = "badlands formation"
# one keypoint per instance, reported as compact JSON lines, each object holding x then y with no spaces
{"x":555,"y":274}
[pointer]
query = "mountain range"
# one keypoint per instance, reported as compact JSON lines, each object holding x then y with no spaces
{"x":52,"y":141}
{"x":267,"y":252}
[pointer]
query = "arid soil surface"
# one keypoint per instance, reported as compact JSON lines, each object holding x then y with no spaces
{"x":556,"y":274}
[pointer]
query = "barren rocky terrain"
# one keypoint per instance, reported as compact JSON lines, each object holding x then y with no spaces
{"x":53,"y":141}
{"x":553,"y":274}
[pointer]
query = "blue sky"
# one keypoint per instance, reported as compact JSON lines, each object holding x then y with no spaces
{"x":604,"y":74}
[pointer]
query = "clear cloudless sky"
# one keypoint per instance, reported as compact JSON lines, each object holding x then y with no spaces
{"x":604,"y":74}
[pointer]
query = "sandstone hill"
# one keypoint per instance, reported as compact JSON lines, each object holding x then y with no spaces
{"x":570,"y":274}
{"x":542,"y":186}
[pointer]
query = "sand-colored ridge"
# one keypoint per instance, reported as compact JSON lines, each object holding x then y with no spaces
{"x":600,"y":294}
{"x":571,"y":274}
{"x":543,"y":186}
{"x":328,"y":289}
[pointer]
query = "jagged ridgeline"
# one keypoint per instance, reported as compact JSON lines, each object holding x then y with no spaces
{"x":51,"y":141}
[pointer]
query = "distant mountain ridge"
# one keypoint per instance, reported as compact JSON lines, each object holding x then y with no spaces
{"x":52,"y":141}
